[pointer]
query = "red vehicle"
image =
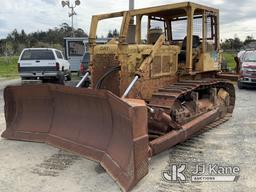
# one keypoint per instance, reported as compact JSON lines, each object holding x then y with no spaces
{"x":247,"y":76}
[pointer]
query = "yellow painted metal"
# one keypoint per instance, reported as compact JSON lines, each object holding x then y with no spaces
{"x":157,"y":64}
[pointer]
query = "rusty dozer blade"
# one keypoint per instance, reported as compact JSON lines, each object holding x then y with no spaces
{"x":93,"y":123}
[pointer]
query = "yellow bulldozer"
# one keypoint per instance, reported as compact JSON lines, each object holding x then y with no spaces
{"x":149,"y":91}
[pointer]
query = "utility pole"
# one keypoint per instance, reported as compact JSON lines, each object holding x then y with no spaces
{"x":72,"y":7}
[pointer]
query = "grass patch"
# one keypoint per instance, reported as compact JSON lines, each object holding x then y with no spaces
{"x":8,"y":67}
{"x":75,"y":76}
{"x":229,"y":58}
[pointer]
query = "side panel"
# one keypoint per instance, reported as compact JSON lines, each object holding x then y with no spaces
{"x":104,"y":64}
{"x":161,"y":72}
{"x":74,"y":63}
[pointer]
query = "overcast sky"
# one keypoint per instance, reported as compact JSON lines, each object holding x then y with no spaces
{"x":237,"y":17}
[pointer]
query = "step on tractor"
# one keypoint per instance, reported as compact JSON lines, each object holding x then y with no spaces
{"x":151,"y":88}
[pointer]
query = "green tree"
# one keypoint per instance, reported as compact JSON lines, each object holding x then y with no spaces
{"x":115,"y":33}
{"x":235,"y":43}
{"x":248,"y":40}
{"x":51,"y":38}
{"x":110,"y":34}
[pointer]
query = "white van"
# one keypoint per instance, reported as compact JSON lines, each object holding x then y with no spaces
{"x":75,"y":47}
{"x":43,"y":64}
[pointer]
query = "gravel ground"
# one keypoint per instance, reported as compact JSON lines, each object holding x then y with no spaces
{"x":29,"y":167}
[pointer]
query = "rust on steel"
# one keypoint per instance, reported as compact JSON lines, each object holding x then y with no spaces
{"x":178,"y":85}
{"x":160,"y":135}
{"x":94,"y":124}
{"x":229,"y":76}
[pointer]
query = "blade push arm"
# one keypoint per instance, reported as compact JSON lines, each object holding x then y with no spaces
{"x":147,"y":61}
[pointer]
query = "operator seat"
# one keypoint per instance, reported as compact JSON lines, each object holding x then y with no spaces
{"x":196,"y":44}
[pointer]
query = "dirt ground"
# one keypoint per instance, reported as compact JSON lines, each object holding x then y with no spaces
{"x":29,"y":167}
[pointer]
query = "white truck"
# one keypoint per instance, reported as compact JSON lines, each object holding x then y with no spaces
{"x":44,"y":64}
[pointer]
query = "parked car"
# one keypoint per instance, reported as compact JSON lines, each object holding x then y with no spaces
{"x":247,"y":76}
{"x":45,"y":64}
{"x":84,"y":65}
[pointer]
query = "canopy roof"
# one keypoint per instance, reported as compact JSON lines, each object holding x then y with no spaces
{"x":169,"y":10}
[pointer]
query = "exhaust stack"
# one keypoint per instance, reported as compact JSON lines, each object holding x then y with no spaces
{"x":132,"y":27}
{"x":131,"y":4}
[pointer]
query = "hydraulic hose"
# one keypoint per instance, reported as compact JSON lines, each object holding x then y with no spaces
{"x":108,"y":73}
